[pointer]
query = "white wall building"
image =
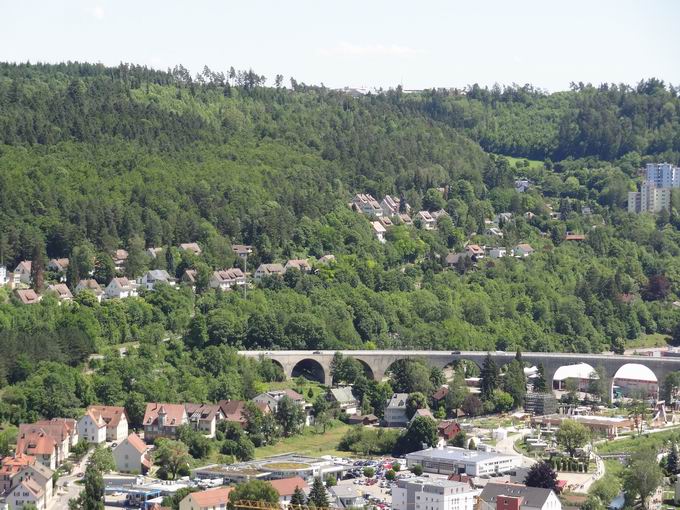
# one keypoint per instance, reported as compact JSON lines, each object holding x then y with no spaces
{"x":92,"y":428}
{"x":449,"y":460}
{"x":431,"y":494}
{"x":663,"y":175}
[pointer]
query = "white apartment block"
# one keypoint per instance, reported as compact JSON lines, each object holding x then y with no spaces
{"x":663,"y":175}
{"x":650,"y":198}
{"x":431,"y":494}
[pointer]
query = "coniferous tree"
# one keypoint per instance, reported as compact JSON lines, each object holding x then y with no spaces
{"x":318,"y":497}
{"x":489,"y":377}
{"x":672,"y":464}
{"x":298,"y":498}
{"x":540,"y":385}
{"x":38,"y":266}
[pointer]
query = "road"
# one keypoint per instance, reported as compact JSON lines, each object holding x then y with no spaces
{"x":66,"y":487}
{"x":507,"y":445}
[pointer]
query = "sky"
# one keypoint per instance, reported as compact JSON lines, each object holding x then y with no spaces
{"x":369,"y":43}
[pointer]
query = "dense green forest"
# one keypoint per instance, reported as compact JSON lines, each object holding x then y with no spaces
{"x":95,"y":158}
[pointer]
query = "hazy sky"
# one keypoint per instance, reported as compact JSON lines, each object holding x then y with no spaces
{"x":361,"y":43}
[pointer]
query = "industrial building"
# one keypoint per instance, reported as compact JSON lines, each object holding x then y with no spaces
{"x":451,"y":460}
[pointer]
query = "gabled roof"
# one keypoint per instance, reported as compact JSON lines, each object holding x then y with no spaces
{"x":96,"y":418}
{"x":33,"y":487}
{"x":110,"y":414}
{"x":440,"y":393}
{"x":286,"y":486}
{"x":534,"y":497}
{"x":233,"y":410}
{"x":525,"y":247}
{"x":136,"y":442}
{"x":202,"y":411}
{"x":23,"y":267}
{"x":425,"y":413}
{"x":59,"y":428}
{"x":301,"y":264}
{"x":14,"y":464}
{"x":38,"y":468}
{"x":574,"y":237}
{"x":89,"y":284}
{"x":343,"y":394}
{"x":271,"y":269}
{"x":398,"y":400}
{"x":61,"y":290}
{"x":189,"y":275}
{"x":120,"y":254}
{"x":36,"y":443}
{"x":27,"y":296}
{"x":58,"y":264}
{"x":158,"y":275}
{"x":174,"y":414}
{"x":121,"y":282}
{"x":192,"y":247}
{"x":226,"y":275}
{"x":378,"y":227}
{"x":475,"y":249}
{"x":242,"y":249}
{"x":211,"y":497}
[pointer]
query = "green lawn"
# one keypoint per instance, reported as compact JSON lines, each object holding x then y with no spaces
{"x":653,"y":340}
{"x":532,"y":162}
{"x":656,"y":440}
{"x":309,"y":443}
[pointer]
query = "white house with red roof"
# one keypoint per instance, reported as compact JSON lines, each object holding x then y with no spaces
{"x":210,"y":499}
{"x":116,"y":421}
{"x":131,"y":455}
{"x":120,"y":288}
{"x":92,"y":427}
{"x":163,"y":420}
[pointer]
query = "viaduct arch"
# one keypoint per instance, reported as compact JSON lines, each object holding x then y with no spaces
{"x":376,"y":363}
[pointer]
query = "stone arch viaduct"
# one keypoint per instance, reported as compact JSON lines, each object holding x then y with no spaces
{"x":376,"y":363}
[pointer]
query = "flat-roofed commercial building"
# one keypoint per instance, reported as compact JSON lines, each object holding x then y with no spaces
{"x":449,"y":460}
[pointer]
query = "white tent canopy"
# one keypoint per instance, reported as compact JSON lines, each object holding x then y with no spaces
{"x":576,"y":371}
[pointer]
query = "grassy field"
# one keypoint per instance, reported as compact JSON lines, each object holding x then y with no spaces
{"x":656,"y":440}
{"x":653,"y":340}
{"x":532,"y":163}
{"x":309,"y":443}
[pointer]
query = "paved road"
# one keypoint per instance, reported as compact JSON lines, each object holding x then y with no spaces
{"x":507,"y":445}
{"x":64,"y":493}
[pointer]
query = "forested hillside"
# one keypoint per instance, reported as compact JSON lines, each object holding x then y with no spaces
{"x":93,"y":159}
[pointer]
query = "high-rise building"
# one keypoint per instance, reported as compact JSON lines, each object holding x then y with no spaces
{"x":650,"y":198}
{"x":663,"y":175}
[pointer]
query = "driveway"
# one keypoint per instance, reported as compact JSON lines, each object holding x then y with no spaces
{"x":66,"y":485}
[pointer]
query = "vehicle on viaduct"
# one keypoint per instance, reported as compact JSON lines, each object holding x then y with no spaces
{"x":376,"y":364}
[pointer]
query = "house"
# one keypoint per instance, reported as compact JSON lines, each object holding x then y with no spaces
{"x":510,"y":496}
{"x":63,"y":430}
{"x":378,"y":231}
{"x":23,"y":269}
{"x":474,"y":251}
{"x":574,"y":237}
{"x":452,"y":259}
{"x":521,"y":185}
{"x":155,"y":276}
{"x":242,"y":250}
{"x":116,"y":420}
{"x":131,"y":455}
{"x":405,"y":219}
{"x":286,"y":487}
{"x":92,"y":286}
{"x":39,"y":445}
{"x":3,"y":275}
{"x":366,"y":204}
{"x":226,"y":279}
{"x":211,"y":499}
{"x":92,"y":427}
{"x":498,"y":253}
{"x":344,"y":398}
{"x":120,"y":288}
{"x":395,"y":412}
{"x":27,"y":492}
{"x":12,"y":465}
{"x":120,"y":257}
{"x":61,"y":291}
{"x":447,"y":429}
{"x":27,"y":296}
{"x":348,"y":496}
{"x":189,"y":277}
{"x":269,"y":270}
{"x":234,"y":411}
{"x":441,"y":213}
{"x":299,"y":264}
{"x":504,"y":217}
{"x":163,"y":420}
{"x":204,"y":417}
{"x":386,"y":222}
{"x":522,"y":250}
{"x":439,"y":396}
{"x":39,"y":474}
{"x":273,"y":397}
{"x":494,"y":232}
{"x":432,"y":494}
{"x":363,"y":419}
{"x":427,"y":221}
{"x":391,"y":206}
{"x":327,"y":259}
{"x":154,"y":252}
{"x":421,"y":413}
{"x":58,"y":265}
{"x":192,"y":248}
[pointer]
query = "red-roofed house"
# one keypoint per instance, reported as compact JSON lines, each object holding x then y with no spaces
{"x":41,"y":446}
{"x":23,"y":269}
{"x":10,"y":466}
{"x":204,"y":417}
{"x":286,"y":487}
{"x":120,"y":288}
{"x":116,"y":421}
{"x":448,"y":429}
{"x":163,"y":420}
{"x":27,"y":296}
{"x":574,"y":237}
{"x":62,"y":430}
{"x":234,"y":410}
{"x":206,"y":500}
{"x":92,"y":427}
{"x":130,"y":455}
{"x":191,"y":248}
{"x":272,"y":398}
